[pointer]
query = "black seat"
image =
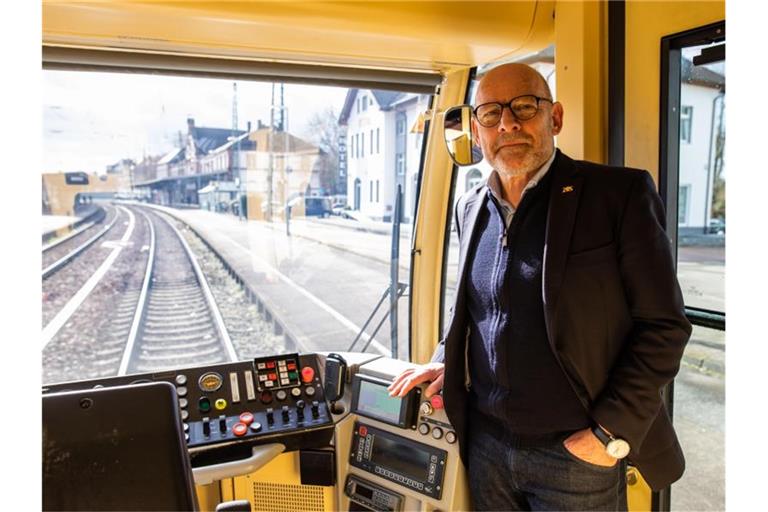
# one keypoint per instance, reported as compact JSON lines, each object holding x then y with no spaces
{"x":118,"y":448}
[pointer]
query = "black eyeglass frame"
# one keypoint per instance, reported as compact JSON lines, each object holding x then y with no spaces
{"x":509,"y":106}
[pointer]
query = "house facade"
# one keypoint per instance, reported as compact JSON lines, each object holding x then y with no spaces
{"x":383,"y":150}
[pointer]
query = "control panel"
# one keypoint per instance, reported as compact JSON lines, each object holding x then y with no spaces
{"x":402,"y":453}
{"x":418,"y":466}
{"x":272,"y":395}
{"x":372,"y":496}
{"x":245,"y":400}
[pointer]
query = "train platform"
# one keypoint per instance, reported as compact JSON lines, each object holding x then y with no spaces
{"x":53,"y":223}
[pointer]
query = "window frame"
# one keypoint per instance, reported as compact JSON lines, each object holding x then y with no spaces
{"x":669,"y":178}
{"x":670,"y":141}
{"x":222,"y":67}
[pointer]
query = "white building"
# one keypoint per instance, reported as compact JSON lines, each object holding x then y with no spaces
{"x":702,"y":97}
{"x":383,"y":148}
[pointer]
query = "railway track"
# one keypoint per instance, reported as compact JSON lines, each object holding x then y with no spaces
{"x":176,"y":321}
{"x":62,"y":252}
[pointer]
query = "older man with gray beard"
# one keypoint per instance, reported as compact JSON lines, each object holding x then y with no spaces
{"x":567,"y":321}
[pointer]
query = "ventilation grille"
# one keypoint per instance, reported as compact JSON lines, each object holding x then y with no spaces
{"x":269,"y":497}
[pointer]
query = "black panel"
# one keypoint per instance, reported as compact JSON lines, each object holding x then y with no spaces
{"x":317,"y":467}
{"x":115,"y":448}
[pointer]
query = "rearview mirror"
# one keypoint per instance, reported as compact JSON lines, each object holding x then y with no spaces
{"x":457,"y":129}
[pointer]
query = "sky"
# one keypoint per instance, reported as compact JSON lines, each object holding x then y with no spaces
{"x":91,"y":120}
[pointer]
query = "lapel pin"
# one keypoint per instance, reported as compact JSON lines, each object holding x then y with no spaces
{"x":567,"y":189}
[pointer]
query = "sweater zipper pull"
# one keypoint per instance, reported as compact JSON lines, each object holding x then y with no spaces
{"x":504,"y":239}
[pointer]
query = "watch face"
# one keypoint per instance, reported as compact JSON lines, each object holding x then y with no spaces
{"x":617,"y":448}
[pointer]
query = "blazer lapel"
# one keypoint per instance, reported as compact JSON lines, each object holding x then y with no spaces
{"x":563,"y":203}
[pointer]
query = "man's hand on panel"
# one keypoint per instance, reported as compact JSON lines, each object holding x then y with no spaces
{"x":430,"y":372}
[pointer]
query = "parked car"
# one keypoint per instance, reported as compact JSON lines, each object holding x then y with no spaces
{"x":716,"y":227}
{"x":342,"y":210}
{"x":317,"y":207}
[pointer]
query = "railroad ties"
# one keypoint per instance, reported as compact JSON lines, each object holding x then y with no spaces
{"x":177,"y":322}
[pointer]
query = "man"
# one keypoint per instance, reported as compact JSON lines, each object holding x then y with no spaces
{"x":567,"y":320}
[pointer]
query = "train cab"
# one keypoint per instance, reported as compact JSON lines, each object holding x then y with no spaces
{"x":212,"y":340}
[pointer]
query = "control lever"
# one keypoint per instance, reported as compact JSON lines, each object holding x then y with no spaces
{"x":286,"y":413}
{"x":315,"y":409}
{"x":300,"y":410}
{"x":335,"y":377}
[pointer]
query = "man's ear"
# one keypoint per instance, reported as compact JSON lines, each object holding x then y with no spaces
{"x":557,"y":118}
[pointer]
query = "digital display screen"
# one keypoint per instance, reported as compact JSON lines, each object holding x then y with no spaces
{"x":374,"y":400}
{"x":400,"y":458}
{"x":364,"y":492}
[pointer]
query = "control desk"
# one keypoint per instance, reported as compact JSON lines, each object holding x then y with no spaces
{"x":369,"y":451}
{"x":234,"y":406}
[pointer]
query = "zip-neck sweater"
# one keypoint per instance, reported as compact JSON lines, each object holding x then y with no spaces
{"x":516,"y":379}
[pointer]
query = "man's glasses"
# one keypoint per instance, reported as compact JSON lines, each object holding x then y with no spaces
{"x":523,"y":108}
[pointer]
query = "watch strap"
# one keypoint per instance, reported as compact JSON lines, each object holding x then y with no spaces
{"x":602,"y":435}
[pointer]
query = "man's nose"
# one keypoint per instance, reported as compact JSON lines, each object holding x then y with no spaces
{"x":508,"y":122}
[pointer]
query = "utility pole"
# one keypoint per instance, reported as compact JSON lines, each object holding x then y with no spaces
{"x":235,"y":167}
{"x":276,"y":125}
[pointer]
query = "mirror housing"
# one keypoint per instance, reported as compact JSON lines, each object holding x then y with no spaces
{"x":459,"y":139}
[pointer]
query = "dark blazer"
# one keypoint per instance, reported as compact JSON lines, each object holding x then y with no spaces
{"x":613,"y":307}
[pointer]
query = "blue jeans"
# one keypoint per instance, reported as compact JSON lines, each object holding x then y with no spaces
{"x":541,"y":477}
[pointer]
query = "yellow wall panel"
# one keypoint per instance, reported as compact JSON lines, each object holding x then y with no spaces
{"x":581,"y":58}
{"x":647,"y":23}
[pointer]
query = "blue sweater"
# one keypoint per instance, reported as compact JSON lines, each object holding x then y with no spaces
{"x":516,"y":379}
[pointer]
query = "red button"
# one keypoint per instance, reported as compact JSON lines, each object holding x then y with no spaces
{"x":291,"y":366}
{"x":271,"y":364}
{"x":246,"y":418}
{"x":363,"y":431}
{"x":272,"y":376}
{"x":239,"y":429}
{"x":307,"y":374}
{"x":437,"y":401}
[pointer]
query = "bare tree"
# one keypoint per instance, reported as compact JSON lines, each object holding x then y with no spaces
{"x":323,"y":130}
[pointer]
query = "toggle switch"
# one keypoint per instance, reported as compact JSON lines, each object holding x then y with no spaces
{"x":270,"y":416}
{"x":315,"y":409}
{"x":223,"y":424}
{"x":206,"y":427}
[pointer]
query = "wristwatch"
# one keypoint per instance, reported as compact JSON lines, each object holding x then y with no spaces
{"x":615,"y":447}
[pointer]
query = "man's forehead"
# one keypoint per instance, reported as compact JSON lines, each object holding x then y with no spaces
{"x":503,"y":84}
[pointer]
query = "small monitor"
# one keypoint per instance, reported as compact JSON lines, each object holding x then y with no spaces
{"x":118,"y":448}
{"x":370,"y":398}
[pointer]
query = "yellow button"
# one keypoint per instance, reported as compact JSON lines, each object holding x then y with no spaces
{"x":220,"y":404}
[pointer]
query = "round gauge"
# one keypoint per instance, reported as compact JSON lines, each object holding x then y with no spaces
{"x":210,"y":381}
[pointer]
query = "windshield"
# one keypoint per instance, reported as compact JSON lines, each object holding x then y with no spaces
{"x":190,"y":221}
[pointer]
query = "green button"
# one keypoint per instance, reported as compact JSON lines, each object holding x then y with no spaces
{"x":204,"y":404}
{"x":293,"y":375}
